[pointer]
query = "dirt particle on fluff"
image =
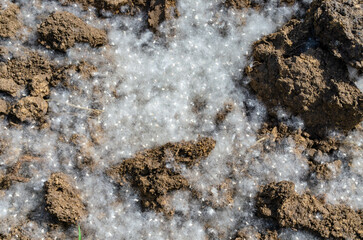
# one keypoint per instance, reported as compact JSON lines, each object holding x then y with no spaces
{"x":155,"y":172}
{"x":63,"y":200}
{"x":61,"y":30}
{"x":291,"y":210}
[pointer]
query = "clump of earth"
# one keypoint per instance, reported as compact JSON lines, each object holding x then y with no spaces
{"x":303,"y":67}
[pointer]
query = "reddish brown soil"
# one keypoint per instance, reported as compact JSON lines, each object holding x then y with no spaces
{"x":155,"y":172}
{"x":63,"y":200}
{"x":289,"y":209}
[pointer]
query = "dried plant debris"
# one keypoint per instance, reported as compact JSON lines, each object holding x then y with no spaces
{"x":293,"y":69}
{"x":63,"y":200}
{"x":280,"y":202}
{"x":61,"y":30}
{"x":155,"y":172}
{"x":9,"y":22}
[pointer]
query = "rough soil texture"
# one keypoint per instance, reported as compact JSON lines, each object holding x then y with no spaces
{"x":9,"y":22}
{"x":28,"y":79}
{"x":62,"y":74}
{"x":30,"y":109}
{"x":61,"y":30}
{"x":280,"y":202}
{"x":161,"y":10}
{"x":63,"y":200}
{"x":273,"y":134}
{"x":339,"y":26}
{"x":297,"y":72}
{"x":22,"y":69}
{"x":256,"y":4}
{"x":250,"y":233}
{"x":155,"y":172}
{"x":7,"y":85}
{"x":4,"y":107}
{"x":157,"y":10}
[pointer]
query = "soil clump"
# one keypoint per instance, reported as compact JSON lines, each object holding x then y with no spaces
{"x":249,"y":233}
{"x":157,"y":10}
{"x":339,"y":27}
{"x":256,"y":4}
{"x":155,"y":172}
{"x":9,"y":22}
{"x":273,"y":134}
{"x":61,"y":30}
{"x":280,"y":202}
{"x":293,"y":68}
{"x":26,"y":80}
{"x":63,"y":200}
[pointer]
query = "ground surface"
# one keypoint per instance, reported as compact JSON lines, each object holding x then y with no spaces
{"x":160,"y":119}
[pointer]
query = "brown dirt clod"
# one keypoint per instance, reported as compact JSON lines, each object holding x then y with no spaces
{"x":39,"y":86}
{"x":61,"y":30}
{"x":63,"y":200}
{"x":157,"y":10}
{"x":4,"y":107}
{"x":10,"y":87}
{"x":280,"y":202}
{"x":293,"y":70}
{"x":338,"y":25}
{"x":9,"y":22}
{"x":24,"y":68}
{"x":154,"y":172}
{"x":250,"y":233}
{"x":30,"y":109}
